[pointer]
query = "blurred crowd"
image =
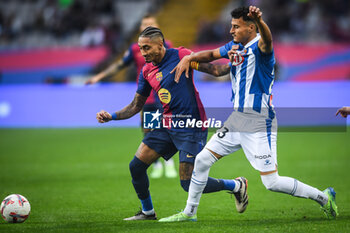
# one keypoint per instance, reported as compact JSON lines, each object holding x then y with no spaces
{"x":89,"y":23}
{"x":289,"y":21}
{"x":24,"y":23}
{"x":54,"y":23}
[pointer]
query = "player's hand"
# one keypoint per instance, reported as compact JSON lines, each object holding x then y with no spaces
{"x":232,"y":53}
{"x":183,"y":65}
{"x":254,"y":13}
{"x":344,"y":111}
{"x":103,"y":116}
{"x":94,"y":79}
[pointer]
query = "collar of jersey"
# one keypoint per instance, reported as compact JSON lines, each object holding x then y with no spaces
{"x":253,"y":41}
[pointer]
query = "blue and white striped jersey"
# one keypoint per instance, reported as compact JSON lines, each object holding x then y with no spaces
{"x":252,"y":77}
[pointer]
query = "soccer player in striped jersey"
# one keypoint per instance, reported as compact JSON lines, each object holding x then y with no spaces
{"x":133,"y":55}
{"x":180,"y":101}
{"x":252,"y":125}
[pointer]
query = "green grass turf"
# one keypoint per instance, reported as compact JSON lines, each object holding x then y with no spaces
{"x":77,"y":180}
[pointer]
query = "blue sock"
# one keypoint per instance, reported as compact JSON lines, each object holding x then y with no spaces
{"x":147,"y":204}
{"x":138,"y":170}
{"x":229,"y":184}
{"x":214,"y":185}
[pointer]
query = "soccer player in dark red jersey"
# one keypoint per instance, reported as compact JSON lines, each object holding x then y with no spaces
{"x":133,"y":55}
{"x":181,"y":103}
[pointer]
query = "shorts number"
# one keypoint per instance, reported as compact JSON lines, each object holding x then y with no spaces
{"x":223,"y":133}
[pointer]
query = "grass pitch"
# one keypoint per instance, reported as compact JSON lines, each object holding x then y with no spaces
{"x":77,"y":180}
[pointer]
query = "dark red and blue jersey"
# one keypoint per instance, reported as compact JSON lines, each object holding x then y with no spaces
{"x":133,"y":54}
{"x":181,"y":101}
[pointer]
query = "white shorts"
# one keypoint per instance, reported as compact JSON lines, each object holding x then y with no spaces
{"x":259,"y":146}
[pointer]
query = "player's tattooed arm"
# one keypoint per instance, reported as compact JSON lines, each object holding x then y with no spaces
{"x":202,"y":56}
{"x":216,"y":70}
{"x":134,"y":107}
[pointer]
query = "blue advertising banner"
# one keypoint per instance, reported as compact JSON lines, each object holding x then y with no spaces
{"x":296,"y":103}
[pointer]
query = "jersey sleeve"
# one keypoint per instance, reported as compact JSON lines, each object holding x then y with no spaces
{"x":143,"y":87}
{"x":225,"y":48}
{"x":266,"y":58}
{"x":183,"y":52}
{"x":128,"y":56}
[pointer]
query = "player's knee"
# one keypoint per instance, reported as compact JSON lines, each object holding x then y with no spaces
{"x":132,"y":168}
{"x":270,"y":181}
{"x":202,"y":163}
{"x":185,"y":184}
{"x":137,"y":167}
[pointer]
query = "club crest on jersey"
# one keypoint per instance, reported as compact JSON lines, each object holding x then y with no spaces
{"x":159,"y":76}
{"x":164,"y":95}
{"x":238,"y":57}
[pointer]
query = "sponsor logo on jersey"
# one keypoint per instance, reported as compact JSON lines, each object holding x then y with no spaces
{"x":189,"y":156}
{"x":164,"y":96}
{"x":262,"y":156}
{"x":159,"y":76}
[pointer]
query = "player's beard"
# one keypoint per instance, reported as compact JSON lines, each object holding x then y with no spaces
{"x":156,"y":57}
{"x":234,"y":38}
{"x":147,"y":59}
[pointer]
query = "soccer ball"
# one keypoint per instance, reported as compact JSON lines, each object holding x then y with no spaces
{"x":15,"y":208}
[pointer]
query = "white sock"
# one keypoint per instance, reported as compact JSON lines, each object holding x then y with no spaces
{"x":237,"y":186}
{"x":204,"y":160}
{"x":291,"y":186}
{"x":148,"y":212}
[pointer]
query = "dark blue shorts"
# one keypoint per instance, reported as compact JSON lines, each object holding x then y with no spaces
{"x":167,"y":143}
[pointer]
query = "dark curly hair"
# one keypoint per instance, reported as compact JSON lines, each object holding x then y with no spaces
{"x":241,"y":12}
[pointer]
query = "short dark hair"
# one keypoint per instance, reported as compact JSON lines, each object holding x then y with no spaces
{"x":241,"y":12}
{"x":152,"y":32}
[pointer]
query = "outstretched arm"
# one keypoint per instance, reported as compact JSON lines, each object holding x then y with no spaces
{"x":134,"y":107}
{"x":265,"y":42}
{"x":110,"y":70}
{"x":203,"y":56}
{"x":213,"y":69}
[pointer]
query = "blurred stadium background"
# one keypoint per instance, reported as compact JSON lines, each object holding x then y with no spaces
{"x":49,"y":48}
